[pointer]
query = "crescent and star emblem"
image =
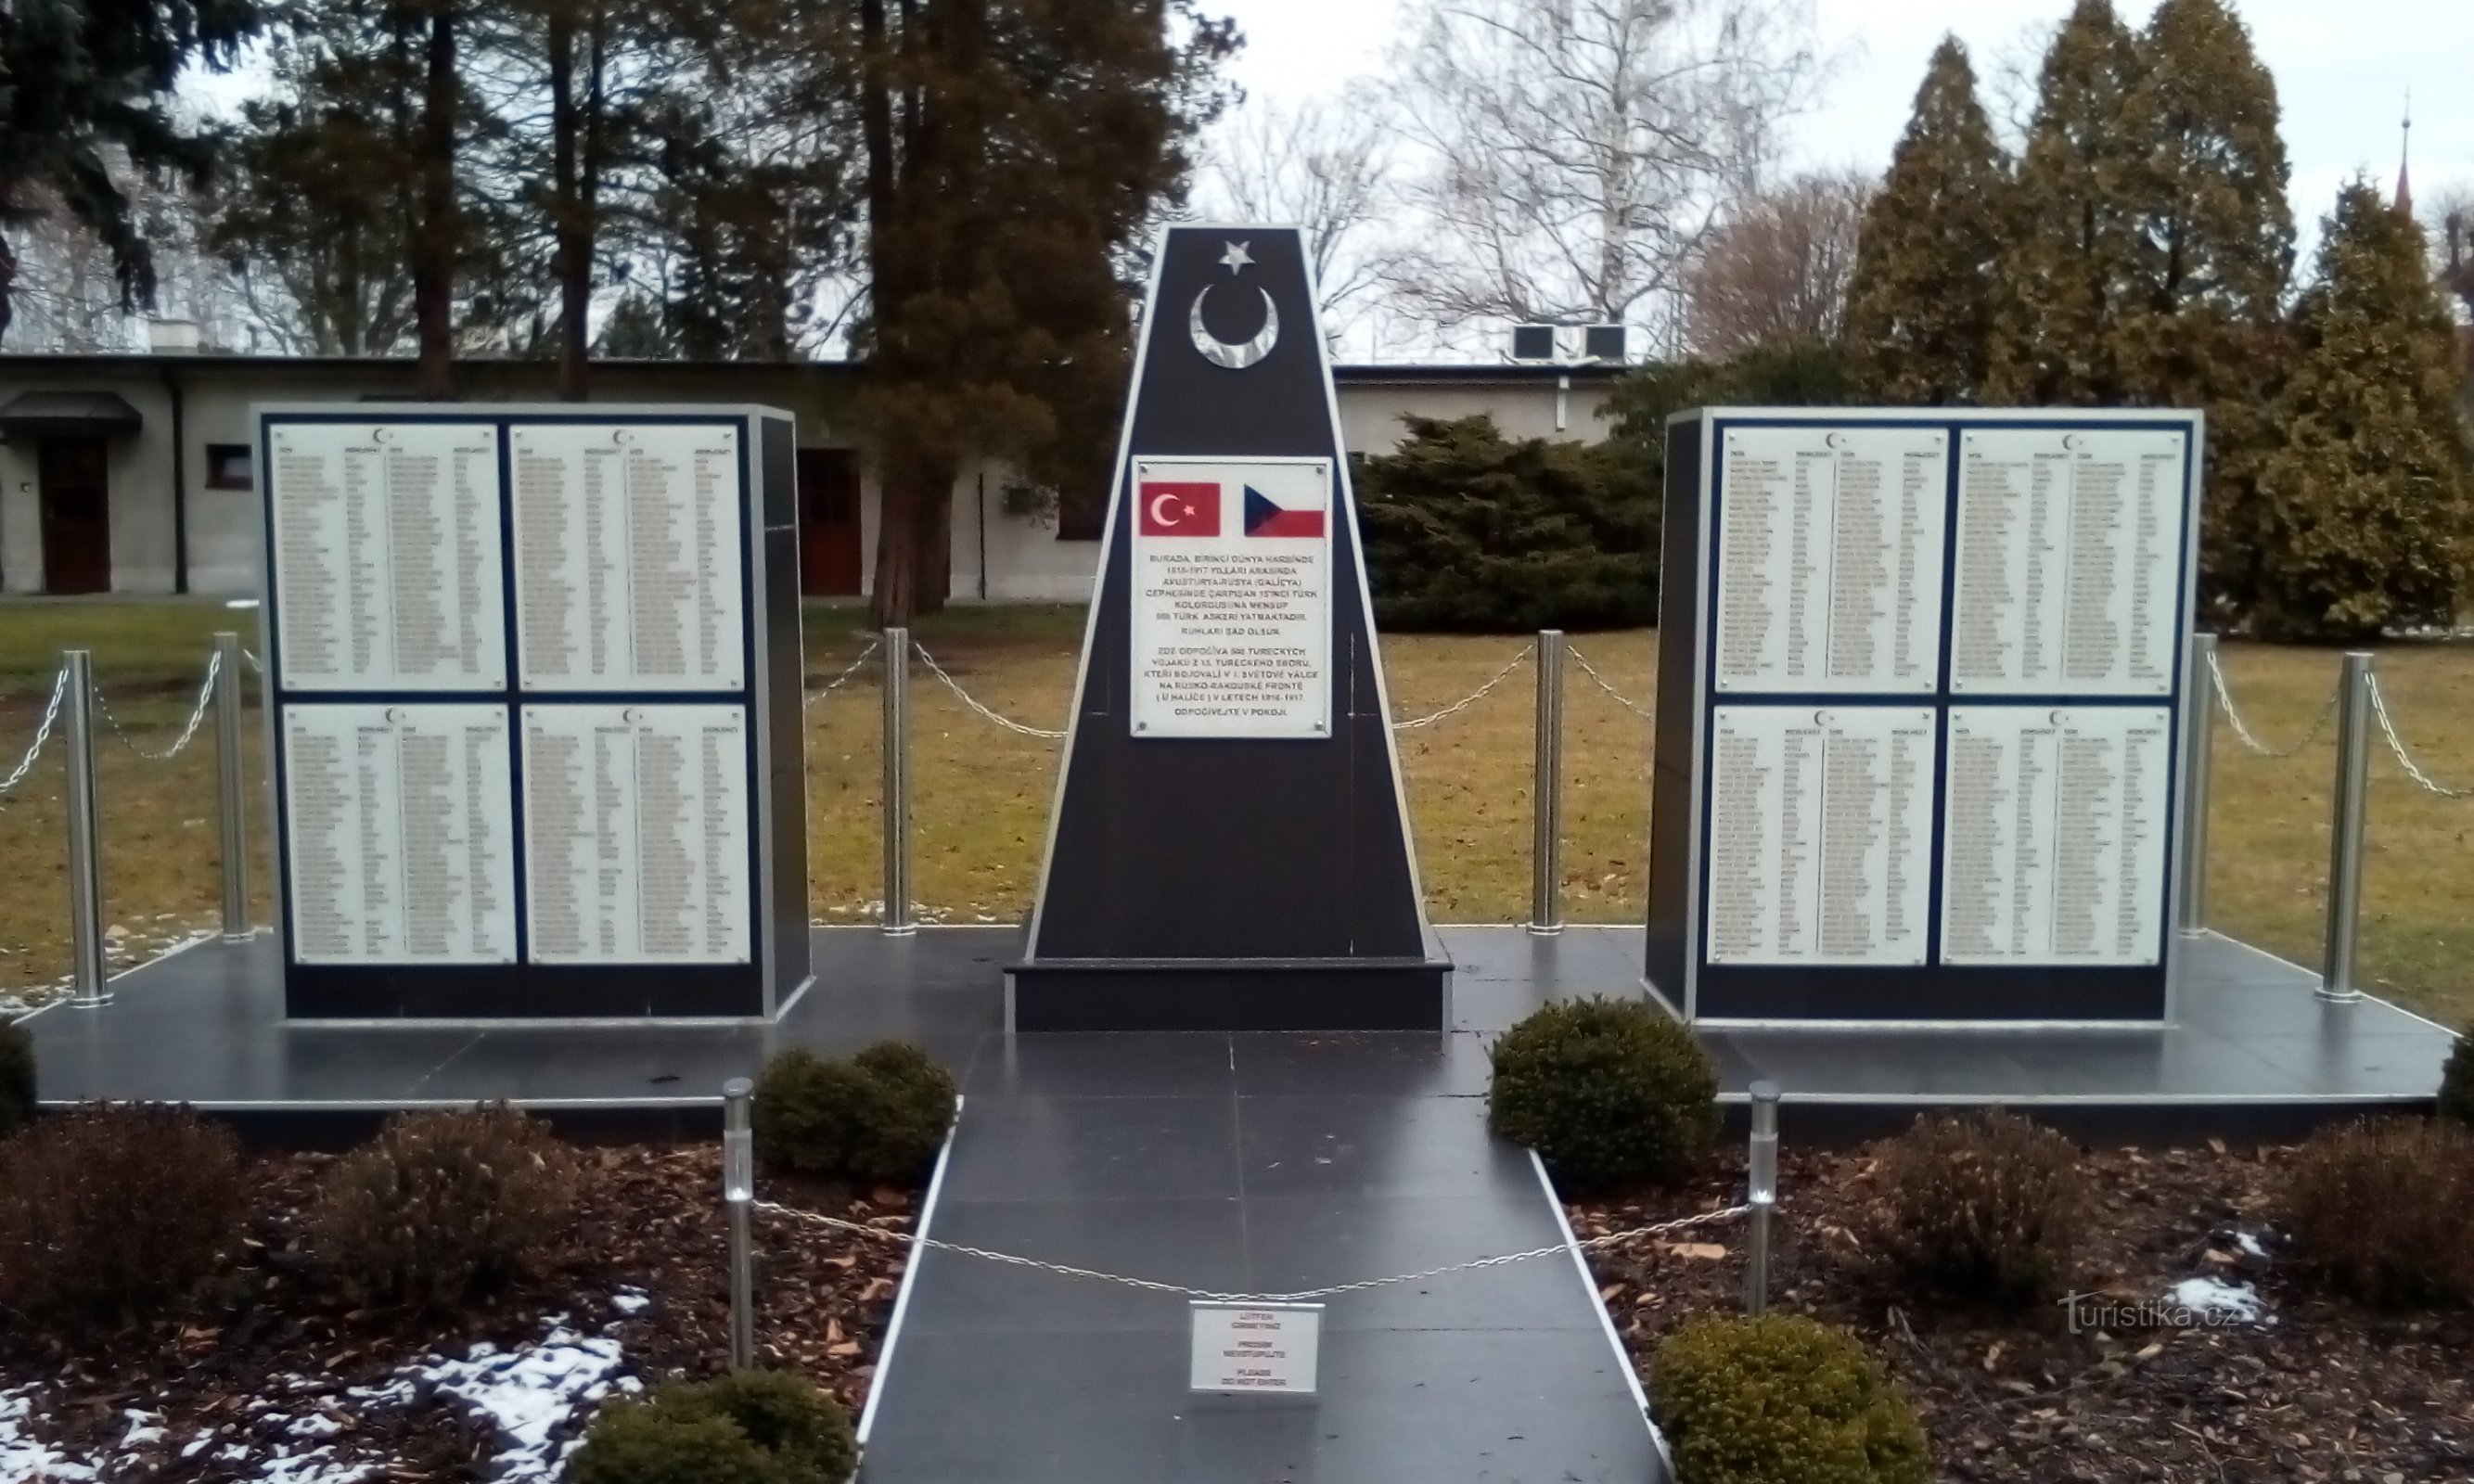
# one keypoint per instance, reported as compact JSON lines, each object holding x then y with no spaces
{"x":1240,"y":354}
{"x":1162,"y":504}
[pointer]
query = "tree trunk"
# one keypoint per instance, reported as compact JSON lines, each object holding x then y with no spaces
{"x":913,"y":563}
{"x":8,"y":286}
{"x":568,"y":226}
{"x":433,"y":269}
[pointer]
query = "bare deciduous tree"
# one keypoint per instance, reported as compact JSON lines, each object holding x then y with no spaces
{"x":1321,"y":166}
{"x":1776,"y":266}
{"x":1575,"y":152}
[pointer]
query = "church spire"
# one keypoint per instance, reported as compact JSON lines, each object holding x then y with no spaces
{"x":2404,"y":184}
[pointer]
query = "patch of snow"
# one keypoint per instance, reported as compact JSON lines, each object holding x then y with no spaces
{"x":2219,"y":1302}
{"x":318,"y":1466}
{"x":317,"y":1425}
{"x":206,"y":1438}
{"x":2250,"y":1246}
{"x":532,"y":1394}
{"x":627,"y":1301}
{"x":25,"y":1461}
{"x":144,"y":1427}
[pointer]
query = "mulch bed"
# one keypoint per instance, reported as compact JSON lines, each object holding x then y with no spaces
{"x":2323,"y":1391}
{"x":651,"y":1228}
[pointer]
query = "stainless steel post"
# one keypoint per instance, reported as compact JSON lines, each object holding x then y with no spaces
{"x":1761,"y":1179}
{"x":897,"y":781}
{"x":738,"y":1194}
{"x":2194,"y":784}
{"x":1546,"y":790}
{"x":230,"y":800}
{"x":85,"y":855}
{"x":2345,"y":831}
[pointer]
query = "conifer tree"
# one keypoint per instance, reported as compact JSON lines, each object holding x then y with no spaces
{"x":2364,"y":505}
{"x":1920,"y":310}
{"x":2202,"y":325}
{"x":2078,"y":252}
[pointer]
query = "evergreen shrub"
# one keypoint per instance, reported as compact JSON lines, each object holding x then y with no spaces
{"x":16,"y":1077}
{"x":1989,"y":1207}
{"x":746,"y":1428}
{"x":2383,"y":1209}
{"x":443,"y":1207}
{"x":1782,"y":1400}
{"x":879,"y":1116}
{"x":112,"y":1213}
{"x":2457,"y":1081}
{"x":1610,"y":1093}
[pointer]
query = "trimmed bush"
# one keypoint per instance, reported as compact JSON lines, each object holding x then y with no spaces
{"x":16,"y":1077}
{"x":2456,"y":1081}
{"x":879,"y":1116}
{"x":443,"y":1206}
{"x":1782,"y":1400}
{"x":111,"y":1214}
{"x":2383,"y":1210}
{"x":1989,"y":1208}
{"x":1610,"y":1093}
{"x":746,"y":1428}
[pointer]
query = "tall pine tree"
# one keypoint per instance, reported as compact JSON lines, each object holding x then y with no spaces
{"x":2203,"y":323}
{"x":1920,"y":310}
{"x":2365,"y":506}
{"x":2080,"y":251}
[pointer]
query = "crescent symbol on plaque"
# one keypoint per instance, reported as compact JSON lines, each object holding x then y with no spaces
{"x":1241,"y":355}
{"x":1159,"y":509}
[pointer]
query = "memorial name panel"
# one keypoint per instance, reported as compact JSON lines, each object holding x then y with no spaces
{"x":627,"y":555}
{"x":2056,"y":828}
{"x":1830,"y":559}
{"x":385,"y":556}
{"x":2070,"y":562}
{"x":1820,"y":835}
{"x":401,"y":833}
{"x":637,"y":821}
{"x":1231,"y":599}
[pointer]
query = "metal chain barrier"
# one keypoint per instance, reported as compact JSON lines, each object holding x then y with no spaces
{"x":1592,"y":670}
{"x":2387,"y":729}
{"x":255,"y":663}
{"x":972,"y":701}
{"x":1209,"y":1296}
{"x":842,"y":679}
{"x":197,"y":715}
{"x":2225,"y":703}
{"x":43,"y":733}
{"x":1474,"y":697}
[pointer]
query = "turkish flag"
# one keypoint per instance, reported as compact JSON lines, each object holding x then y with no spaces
{"x":1180,"y":507}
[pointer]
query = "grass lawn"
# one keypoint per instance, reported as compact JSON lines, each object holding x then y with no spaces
{"x":980,"y":794}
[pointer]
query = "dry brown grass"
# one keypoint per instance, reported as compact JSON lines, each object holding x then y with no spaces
{"x":980,"y":794}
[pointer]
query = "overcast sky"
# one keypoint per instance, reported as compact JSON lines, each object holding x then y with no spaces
{"x":2342,"y":69}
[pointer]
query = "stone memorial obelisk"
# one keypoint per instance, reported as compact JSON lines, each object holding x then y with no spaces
{"x":1229,"y":848}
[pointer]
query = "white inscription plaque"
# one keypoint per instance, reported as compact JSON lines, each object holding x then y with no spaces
{"x":635,"y":838}
{"x":1232,"y":612}
{"x":399,"y":821}
{"x":1265,"y":1348}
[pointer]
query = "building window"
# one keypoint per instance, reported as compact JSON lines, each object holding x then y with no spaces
{"x":227,"y":466}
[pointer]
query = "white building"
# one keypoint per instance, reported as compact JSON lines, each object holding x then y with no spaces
{"x":131,"y":473}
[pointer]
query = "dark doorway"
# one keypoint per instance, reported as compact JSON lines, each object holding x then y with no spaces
{"x":828,"y":545}
{"x":77,"y":515}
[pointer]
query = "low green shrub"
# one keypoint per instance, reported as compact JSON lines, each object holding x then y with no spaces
{"x":16,"y":1077}
{"x":443,"y":1206}
{"x":746,"y":1428}
{"x":1609,"y":1093}
{"x":2457,"y":1081}
{"x":111,"y":1214}
{"x":879,"y":1116}
{"x":1782,"y":1400}
{"x":2383,"y":1209}
{"x":1988,"y":1207}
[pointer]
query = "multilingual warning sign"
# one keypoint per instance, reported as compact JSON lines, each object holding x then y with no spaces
{"x":1255,"y":1348}
{"x":1231,"y":632}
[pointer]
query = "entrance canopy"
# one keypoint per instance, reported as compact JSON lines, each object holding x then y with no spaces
{"x":69,"y":414}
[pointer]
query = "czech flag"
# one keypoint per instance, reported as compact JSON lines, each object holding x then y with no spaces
{"x":1262,"y":518}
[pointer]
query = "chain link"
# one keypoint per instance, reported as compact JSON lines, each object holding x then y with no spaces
{"x":197,"y":715}
{"x":1211,"y":1296}
{"x":2387,"y":729}
{"x":1592,"y":670}
{"x":43,"y":733}
{"x":972,"y":701}
{"x":848,"y":671}
{"x":255,"y":663}
{"x":2225,"y":703}
{"x":1473,"y":698}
